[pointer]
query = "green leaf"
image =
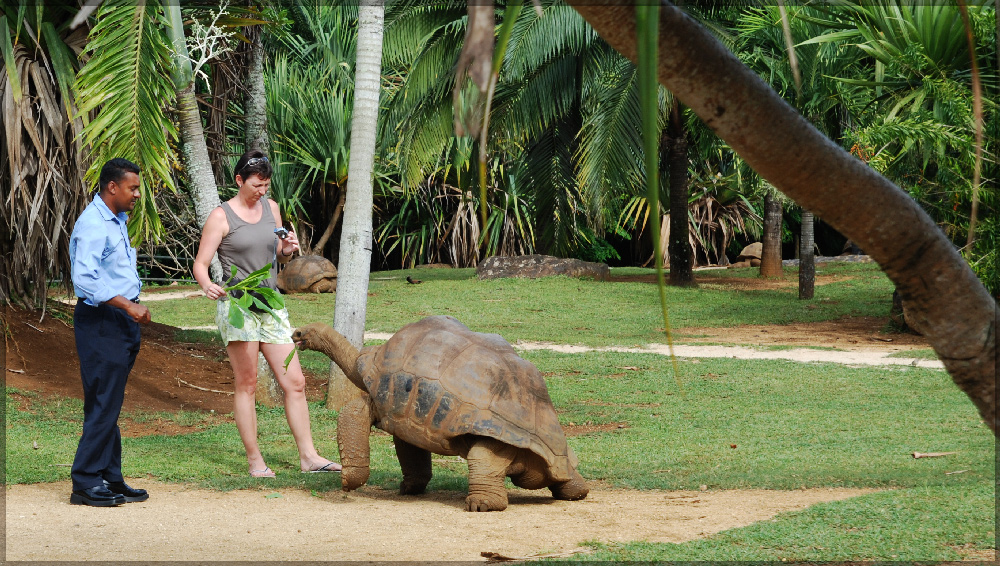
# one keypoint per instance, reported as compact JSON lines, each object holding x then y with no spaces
{"x":273,"y":298}
{"x":7,"y":51}
{"x":288,"y":359}
{"x":260,"y":274}
{"x":235,"y":315}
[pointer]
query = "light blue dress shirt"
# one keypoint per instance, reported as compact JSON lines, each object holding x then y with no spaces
{"x":102,"y":258}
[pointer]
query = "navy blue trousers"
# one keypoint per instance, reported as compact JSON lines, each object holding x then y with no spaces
{"x":107,"y":342}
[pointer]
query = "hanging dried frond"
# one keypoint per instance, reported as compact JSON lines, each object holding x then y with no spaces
{"x":42,"y":169}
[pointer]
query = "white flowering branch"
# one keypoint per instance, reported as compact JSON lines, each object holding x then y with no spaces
{"x":207,"y":43}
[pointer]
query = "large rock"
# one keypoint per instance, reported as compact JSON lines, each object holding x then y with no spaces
{"x":534,"y":266}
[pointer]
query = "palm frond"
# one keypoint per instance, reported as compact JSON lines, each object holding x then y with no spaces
{"x":125,"y":82}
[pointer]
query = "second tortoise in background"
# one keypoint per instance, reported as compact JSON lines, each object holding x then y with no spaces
{"x":308,"y":274}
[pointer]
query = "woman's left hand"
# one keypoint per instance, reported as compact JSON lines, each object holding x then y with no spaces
{"x":290,"y":244}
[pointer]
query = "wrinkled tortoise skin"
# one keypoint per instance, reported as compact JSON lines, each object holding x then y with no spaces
{"x":436,"y":381}
{"x":308,"y":274}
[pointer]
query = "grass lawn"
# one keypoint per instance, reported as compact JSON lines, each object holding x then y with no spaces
{"x":720,"y":423}
{"x":572,"y":311}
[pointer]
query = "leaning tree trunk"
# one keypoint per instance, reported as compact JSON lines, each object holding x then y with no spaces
{"x":958,"y":313}
{"x":197,"y":166}
{"x":770,"y":255}
{"x":807,"y":259}
{"x":678,"y":247}
{"x":356,"y":236}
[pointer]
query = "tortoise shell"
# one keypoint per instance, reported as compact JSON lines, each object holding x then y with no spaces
{"x":435,"y":381}
{"x":308,"y":274}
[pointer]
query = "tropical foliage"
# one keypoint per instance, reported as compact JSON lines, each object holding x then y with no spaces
{"x":890,"y":81}
{"x":42,"y":155}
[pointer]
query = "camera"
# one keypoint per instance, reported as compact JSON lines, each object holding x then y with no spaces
{"x":281,"y":233}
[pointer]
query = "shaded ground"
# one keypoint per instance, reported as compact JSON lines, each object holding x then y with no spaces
{"x":183,"y":523}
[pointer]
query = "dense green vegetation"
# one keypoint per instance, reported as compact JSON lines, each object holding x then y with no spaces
{"x":891,"y":82}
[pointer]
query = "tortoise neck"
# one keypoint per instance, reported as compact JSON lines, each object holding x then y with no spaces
{"x":343,"y":353}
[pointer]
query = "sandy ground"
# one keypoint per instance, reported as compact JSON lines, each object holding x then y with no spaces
{"x":179,"y":523}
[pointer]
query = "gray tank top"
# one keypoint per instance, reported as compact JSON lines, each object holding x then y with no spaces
{"x":249,"y":246}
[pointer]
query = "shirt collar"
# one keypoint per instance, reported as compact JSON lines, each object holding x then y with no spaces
{"x":106,"y":212}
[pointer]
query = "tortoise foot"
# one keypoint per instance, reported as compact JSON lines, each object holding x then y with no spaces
{"x":572,"y":490}
{"x":412,"y":488}
{"x":353,"y":477}
{"x":485,"y":503}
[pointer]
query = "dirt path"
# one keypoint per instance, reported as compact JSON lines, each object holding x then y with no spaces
{"x":179,"y":523}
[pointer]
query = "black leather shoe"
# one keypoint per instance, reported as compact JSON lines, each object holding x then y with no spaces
{"x":130,"y":494}
{"x":97,"y":496}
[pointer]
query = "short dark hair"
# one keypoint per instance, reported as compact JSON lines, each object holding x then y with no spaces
{"x":115,"y":170}
{"x":260,"y":167}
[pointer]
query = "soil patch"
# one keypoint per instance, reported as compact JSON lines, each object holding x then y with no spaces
{"x":738,"y":283}
{"x":41,"y":358}
{"x":847,"y":333}
{"x":181,"y":523}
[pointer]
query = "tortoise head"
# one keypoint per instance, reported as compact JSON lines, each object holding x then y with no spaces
{"x":322,"y":338}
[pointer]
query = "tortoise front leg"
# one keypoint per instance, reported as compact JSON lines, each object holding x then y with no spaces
{"x":354,"y":427}
{"x":416,"y":465}
{"x":488,"y":461}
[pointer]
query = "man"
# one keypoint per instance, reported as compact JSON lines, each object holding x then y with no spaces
{"x":106,"y":324}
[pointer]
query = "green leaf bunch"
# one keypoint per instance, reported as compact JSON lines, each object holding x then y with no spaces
{"x":243,"y":302}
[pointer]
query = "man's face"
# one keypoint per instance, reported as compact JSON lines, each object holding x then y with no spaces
{"x":124,"y":193}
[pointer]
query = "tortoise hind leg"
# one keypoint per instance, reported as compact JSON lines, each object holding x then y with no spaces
{"x":528,"y":471}
{"x":488,"y":462}
{"x":572,"y":490}
{"x":416,"y":465}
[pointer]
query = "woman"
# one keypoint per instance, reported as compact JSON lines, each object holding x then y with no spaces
{"x":242,"y":231}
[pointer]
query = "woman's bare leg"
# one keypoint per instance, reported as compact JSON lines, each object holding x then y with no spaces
{"x":293,"y":383}
{"x":243,"y":358}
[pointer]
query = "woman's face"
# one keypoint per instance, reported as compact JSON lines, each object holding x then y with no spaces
{"x":253,"y":188}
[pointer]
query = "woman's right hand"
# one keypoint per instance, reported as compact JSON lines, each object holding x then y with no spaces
{"x":214,"y":292}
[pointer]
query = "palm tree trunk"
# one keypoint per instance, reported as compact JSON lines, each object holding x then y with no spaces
{"x":197,"y":166}
{"x":770,"y":255}
{"x":807,"y":259}
{"x":959,"y":315}
{"x":201,"y":179}
{"x":255,"y":106}
{"x":678,"y":247}
{"x":356,"y":236}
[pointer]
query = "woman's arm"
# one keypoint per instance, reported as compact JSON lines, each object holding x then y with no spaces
{"x":216,"y":227}
{"x":290,"y":244}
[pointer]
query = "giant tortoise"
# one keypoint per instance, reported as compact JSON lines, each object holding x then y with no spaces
{"x":308,"y":274}
{"x":437,"y":386}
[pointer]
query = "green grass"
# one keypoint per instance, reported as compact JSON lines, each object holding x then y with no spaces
{"x":926,"y":354}
{"x":793,"y":426}
{"x":916,"y":524}
{"x":571,"y":311}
